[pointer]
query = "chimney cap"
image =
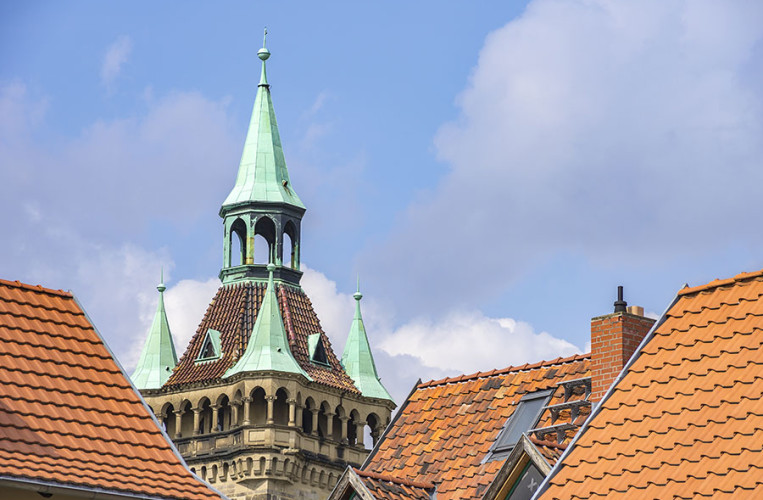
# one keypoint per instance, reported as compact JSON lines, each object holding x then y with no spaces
{"x":620,"y":304}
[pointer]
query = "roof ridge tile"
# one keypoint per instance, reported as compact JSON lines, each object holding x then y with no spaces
{"x":504,"y":371}
{"x":35,"y":288}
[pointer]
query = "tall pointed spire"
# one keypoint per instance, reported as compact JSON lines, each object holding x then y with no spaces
{"x":357,"y":359}
{"x":262,"y":173}
{"x":158,"y":358}
{"x":268,"y":348}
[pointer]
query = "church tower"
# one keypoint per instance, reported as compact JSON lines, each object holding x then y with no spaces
{"x":259,"y":405}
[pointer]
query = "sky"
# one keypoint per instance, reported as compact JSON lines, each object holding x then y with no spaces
{"x":491,"y":170}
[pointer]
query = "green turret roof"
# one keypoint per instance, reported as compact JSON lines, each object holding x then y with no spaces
{"x":357,"y":359}
{"x":262,"y":174}
{"x":268,"y":348}
{"x":158,"y":358}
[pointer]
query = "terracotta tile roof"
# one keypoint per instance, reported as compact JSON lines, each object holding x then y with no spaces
{"x":686,"y":420}
{"x":69,"y":417}
{"x":446,"y":427}
{"x":384,"y":487}
{"x":233,"y":312}
{"x":550,"y":449}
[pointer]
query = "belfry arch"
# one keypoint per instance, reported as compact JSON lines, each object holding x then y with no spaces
{"x":264,"y":232}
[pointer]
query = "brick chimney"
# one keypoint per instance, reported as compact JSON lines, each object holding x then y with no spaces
{"x":614,"y":338}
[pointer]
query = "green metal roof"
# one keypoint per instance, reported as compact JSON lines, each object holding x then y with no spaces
{"x":158,"y":358}
{"x":358,"y":361}
{"x":268,"y":348}
{"x":262,"y":174}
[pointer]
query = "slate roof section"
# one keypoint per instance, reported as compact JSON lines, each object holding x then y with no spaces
{"x":686,"y":419}
{"x":446,"y":427}
{"x":69,"y":416}
{"x":233,"y":312}
{"x":384,"y":487}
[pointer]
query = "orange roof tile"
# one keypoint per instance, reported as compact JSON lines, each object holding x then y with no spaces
{"x":686,"y":419}
{"x":446,"y":427}
{"x":233,"y":312}
{"x":384,"y":487}
{"x":69,"y":416}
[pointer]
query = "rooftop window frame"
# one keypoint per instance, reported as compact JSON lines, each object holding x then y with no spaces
{"x":514,"y":427}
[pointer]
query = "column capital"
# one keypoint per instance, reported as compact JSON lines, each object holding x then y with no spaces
{"x":270,"y":398}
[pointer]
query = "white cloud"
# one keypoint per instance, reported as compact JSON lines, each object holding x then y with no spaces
{"x":114,"y":59}
{"x":468,"y":342}
{"x":334,"y":309}
{"x":619,"y":130}
{"x":461,"y":342}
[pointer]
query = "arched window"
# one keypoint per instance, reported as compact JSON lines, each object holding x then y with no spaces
{"x":186,"y":420}
{"x":205,"y":416}
{"x":168,"y":420}
{"x":281,"y":408}
{"x":264,"y":240}
{"x":290,"y":257}
{"x":307,"y":416}
{"x":371,"y":430}
{"x":258,"y":412}
{"x":223,"y":414}
{"x":238,"y":243}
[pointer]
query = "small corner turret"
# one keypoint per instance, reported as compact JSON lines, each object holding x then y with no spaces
{"x":158,"y":358}
{"x":357,"y":359}
{"x":262,"y":201}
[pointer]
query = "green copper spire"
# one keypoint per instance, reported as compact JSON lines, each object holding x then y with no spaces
{"x":158,"y":358}
{"x":262,"y":174}
{"x":357,"y":359}
{"x":268,"y":347}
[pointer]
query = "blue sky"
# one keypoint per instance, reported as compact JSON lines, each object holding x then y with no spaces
{"x":492,"y":170}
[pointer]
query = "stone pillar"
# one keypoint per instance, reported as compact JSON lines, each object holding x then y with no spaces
{"x":315,"y":411}
{"x":330,"y":425}
{"x":360,"y":428}
{"x":215,"y":415}
{"x":247,"y":408}
{"x":343,"y":429}
{"x":179,"y":423}
{"x":234,"y":414}
{"x":292,"y":412}
{"x":196,"y":414}
{"x":270,"y":400}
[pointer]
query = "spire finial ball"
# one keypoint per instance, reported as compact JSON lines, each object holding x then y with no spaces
{"x":264,"y":53}
{"x":271,"y":267}
{"x":357,"y":295}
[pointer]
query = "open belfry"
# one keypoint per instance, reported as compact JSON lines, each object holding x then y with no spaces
{"x":259,"y":405}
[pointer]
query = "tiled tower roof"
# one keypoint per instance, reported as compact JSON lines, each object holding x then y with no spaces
{"x":233,"y":312}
